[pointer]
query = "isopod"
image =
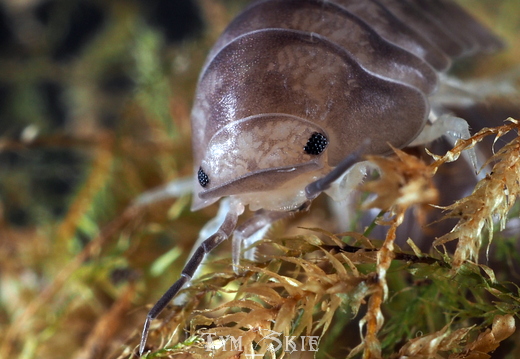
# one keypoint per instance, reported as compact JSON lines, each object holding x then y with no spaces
{"x":293,"y":89}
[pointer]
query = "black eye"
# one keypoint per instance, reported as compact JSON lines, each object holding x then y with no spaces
{"x":203,"y":177}
{"x":316,"y":144}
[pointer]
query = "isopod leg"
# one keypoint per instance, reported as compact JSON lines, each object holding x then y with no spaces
{"x":459,"y":130}
{"x":252,"y":230}
{"x":207,"y":246}
{"x":174,"y":189}
{"x":451,"y":127}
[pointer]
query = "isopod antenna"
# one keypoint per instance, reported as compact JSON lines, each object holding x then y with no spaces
{"x":313,"y":189}
{"x":193,"y":264}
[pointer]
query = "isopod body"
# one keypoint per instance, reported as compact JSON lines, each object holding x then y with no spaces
{"x":293,"y":88}
{"x":348,"y":70}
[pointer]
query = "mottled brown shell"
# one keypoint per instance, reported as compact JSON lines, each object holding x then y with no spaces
{"x":292,"y":87}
